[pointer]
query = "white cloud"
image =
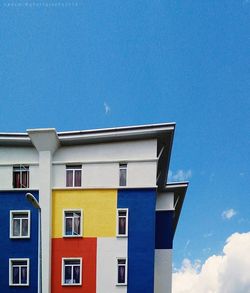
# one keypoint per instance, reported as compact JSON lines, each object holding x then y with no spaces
{"x":228,"y":272}
{"x":228,"y":214}
{"x":180,"y":175}
{"x":106,"y":108}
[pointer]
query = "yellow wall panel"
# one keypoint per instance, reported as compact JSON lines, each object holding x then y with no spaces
{"x":98,"y":206}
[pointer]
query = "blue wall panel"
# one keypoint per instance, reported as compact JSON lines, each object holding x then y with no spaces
{"x":164,"y":230}
{"x":141,"y":237}
{"x":17,"y":248}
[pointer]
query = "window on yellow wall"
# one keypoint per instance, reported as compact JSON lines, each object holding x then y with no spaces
{"x":72,"y":220}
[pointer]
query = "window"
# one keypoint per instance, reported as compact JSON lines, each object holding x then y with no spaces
{"x":72,"y":223}
{"x":71,"y":271}
{"x":121,"y":271}
{"x":122,"y":222}
{"x":73,"y":176}
{"x":20,"y":176}
{"x":19,"y":272}
{"x":123,"y":174}
{"x":19,"y":224}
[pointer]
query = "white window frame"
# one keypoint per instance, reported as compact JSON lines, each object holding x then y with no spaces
{"x":63,"y":271}
{"x":20,"y":169}
{"x":81,"y":222}
{"x":123,"y":166}
{"x":12,"y":212}
{"x":11,"y":260}
{"x":117,"y":222}
{"x":77,"y":167}
{"x":126,"y":271}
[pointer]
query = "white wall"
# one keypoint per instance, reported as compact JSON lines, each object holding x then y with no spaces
{"x":6,"y":177}
{"x":18,"y":155}
{"x":34,"y":176}
{"x":142,"y":174}
{"x":165,"y":201}
{"x":108,"y":249}
{"x":163,"y":271}
{"x":122,"y":151}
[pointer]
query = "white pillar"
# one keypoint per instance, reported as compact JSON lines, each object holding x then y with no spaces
{"x":46,"y":142}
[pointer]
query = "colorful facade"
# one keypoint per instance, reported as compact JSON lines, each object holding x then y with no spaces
{"x":107,"y":215}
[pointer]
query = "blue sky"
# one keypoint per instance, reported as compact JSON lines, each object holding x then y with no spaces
{"x":91,"y":64}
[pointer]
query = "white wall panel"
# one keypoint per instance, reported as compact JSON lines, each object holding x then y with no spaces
{"x":34,"y":177}
{"x":6,"y":177}
{"x":142,"y":174}
{"x":58,"y":176}
{"x":108,"y":249}
{"x":165,"y":201}
{"x":18,"y":155}
{"x":108,"y":151}
{"x":163,"y":271}
{"x":100,"y":175}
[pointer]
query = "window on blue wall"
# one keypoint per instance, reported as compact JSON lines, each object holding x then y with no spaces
{"x":72,"y":223}
{"x":19,"y":272}
{"x":122,"y":174}
{"x":73,"y":175}
{"x":20,"y":176}
{"x":19,"y":224}
{"x":122,"y":223}
{"x":71,"y":271}
{"x":121,"y":271}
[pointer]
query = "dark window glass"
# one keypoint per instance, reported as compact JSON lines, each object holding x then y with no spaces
{"x":16,"y":227}
{"x":24,"y":275}
{"x":15,"y":276}
{"x":121,"y":274}
{"x":76,"y":274}
{"x":123,"y":175}
{"x":69,"y":226}
{"x":78,"y":177}
{"x":25,"y":227}
{"x":69,"y":178}
{"x":67,"y":276}
{"x":122,"y":226}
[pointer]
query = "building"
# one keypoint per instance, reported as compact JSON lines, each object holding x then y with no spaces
{"x":108,"y":217}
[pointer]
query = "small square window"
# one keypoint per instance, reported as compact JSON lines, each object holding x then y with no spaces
{"x":72,"y":271}
{"x":73,"y":175}
{"x":122,"y":174}
{"x":122,"y":223}
{"x":20,"y":176}
{"x":72,"y":223}
{"x":121,"y":271}
{"x":19,"y":272}
{"x":19,"y":224}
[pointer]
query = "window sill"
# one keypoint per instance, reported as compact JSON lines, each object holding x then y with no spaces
{"x":121,"y":236}
{"x":125,"y":284}
{"x":18,"y":285}
{"x":19,"y":237}
{"x":71,"y":284}
{"x":72,"y":236}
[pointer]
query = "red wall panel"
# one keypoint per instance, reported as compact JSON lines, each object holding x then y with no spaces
{"x":74,"y":247}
